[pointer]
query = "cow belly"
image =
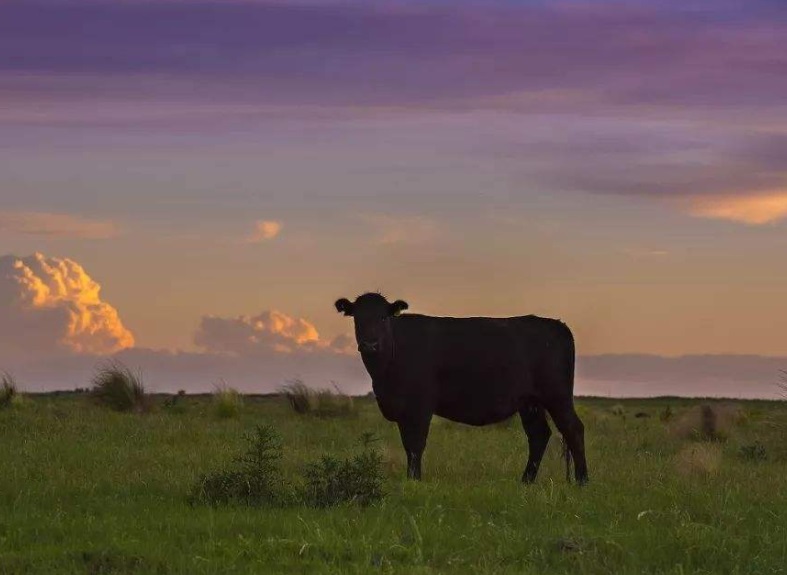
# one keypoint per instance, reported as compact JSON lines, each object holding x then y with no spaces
{"x":478,"y":410}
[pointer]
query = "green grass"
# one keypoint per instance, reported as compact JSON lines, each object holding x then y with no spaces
{"x":91,"y":490}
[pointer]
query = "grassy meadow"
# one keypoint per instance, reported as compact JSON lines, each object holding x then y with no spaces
{"x":84,"y":489}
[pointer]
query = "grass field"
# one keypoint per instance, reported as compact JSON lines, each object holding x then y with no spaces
{"x":87,"y":490}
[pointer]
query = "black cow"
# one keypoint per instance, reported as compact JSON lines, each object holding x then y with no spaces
{"x":474,"y":370}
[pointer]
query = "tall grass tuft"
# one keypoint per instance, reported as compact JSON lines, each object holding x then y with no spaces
{"x":119,"y":388}
{"x":708,"y":422}
{"x":227,"y":402}
{"x":9,"y":391}
{"x":321,"y":403}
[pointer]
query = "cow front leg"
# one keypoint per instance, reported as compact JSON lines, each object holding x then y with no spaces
{"x":413,"y":432}
{"x":534,"y":422}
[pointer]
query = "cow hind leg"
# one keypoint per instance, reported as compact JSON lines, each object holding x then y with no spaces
{"x":534,"y":422}
{"x":568,"y":423}
{"x":414,"y":433}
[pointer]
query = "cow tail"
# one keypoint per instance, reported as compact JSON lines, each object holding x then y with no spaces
{"x":567,"y":453}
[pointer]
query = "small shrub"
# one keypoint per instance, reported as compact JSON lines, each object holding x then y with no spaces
{"x":753,"y":452}
{"x":356,"y":480}
{"x":702,"y":459}
{"x":254,"y":479}
{"x":617,"y":409}
{"x":9,"y":392}
{"x":227,"y":402}
{"x":176,"y":404}
{"x":667,"y":414}
{"x":321,"y":403}
{"x":119,"y":388}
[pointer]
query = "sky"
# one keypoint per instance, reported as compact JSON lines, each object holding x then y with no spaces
{"x":193,"y":183}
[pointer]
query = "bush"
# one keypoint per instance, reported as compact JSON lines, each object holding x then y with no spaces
{"x":753,"y":452}
{"x":255,"y":479}
{"x":9,"y":392}
{"x":321,"y":403}
{"x":667,"y":414}
{"x":618,"y":409}
{"x":227,"y":402}
{"x":117,"y":387}
{"x":175,"y":403}
{"x":357,"y":480}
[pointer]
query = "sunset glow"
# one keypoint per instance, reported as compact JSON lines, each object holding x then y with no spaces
{"x":196,"y":194}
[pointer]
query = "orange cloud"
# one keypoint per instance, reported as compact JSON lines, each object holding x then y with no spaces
{"x":52,"y":305}
{"x":58,"y":225}
{"x":265,"y":230}
{"x":266,"y":332}
{"x":756,"y":210}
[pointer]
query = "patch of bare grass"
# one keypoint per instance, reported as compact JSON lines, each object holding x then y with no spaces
{"x":698,"y":459}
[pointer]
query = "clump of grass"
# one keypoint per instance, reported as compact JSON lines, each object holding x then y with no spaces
{"x":358,"y":479}
{"x":667,"y":414}
{"x":753,"y":452}
{"x":227,"y":402}
{"x":9,"y":391}
{"x":175,"y":403}
{"x":254,"y":480}
{"x":708,"y":422}
{"x":700,"y":459}
{"x":119,"y":388}
{"x":321,"y":403}
{"x":618,"y":409}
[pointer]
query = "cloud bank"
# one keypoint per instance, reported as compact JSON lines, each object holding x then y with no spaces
{"x":56,"y":225}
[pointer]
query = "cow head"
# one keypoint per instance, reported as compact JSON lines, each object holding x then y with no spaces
{"x":372,"y":315}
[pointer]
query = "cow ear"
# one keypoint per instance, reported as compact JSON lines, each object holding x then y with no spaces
{"x":397,"y":307}
{"x":344,"y":306}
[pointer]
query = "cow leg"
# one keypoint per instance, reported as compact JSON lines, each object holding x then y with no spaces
{"x":534,"y":421}
{"x":414,"y":432}
{"x":568,"y":423}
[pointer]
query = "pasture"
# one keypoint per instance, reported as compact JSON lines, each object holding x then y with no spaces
{"x":87,"y":490}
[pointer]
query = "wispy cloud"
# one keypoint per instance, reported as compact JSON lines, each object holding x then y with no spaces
{"x":390,"y":229}
{"x":265,"y":230}
{"x":57,"y":225}
{"x":754,"y":210}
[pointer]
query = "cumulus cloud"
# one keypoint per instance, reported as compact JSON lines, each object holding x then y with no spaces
{"x":270,"y":331}
{"x":57,"y":225}
{"x":755,"y":210}
{"x":265,"y":230}
{"x":52,"y":306}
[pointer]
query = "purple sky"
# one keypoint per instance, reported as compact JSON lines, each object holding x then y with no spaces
{"x":621,"y":165}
